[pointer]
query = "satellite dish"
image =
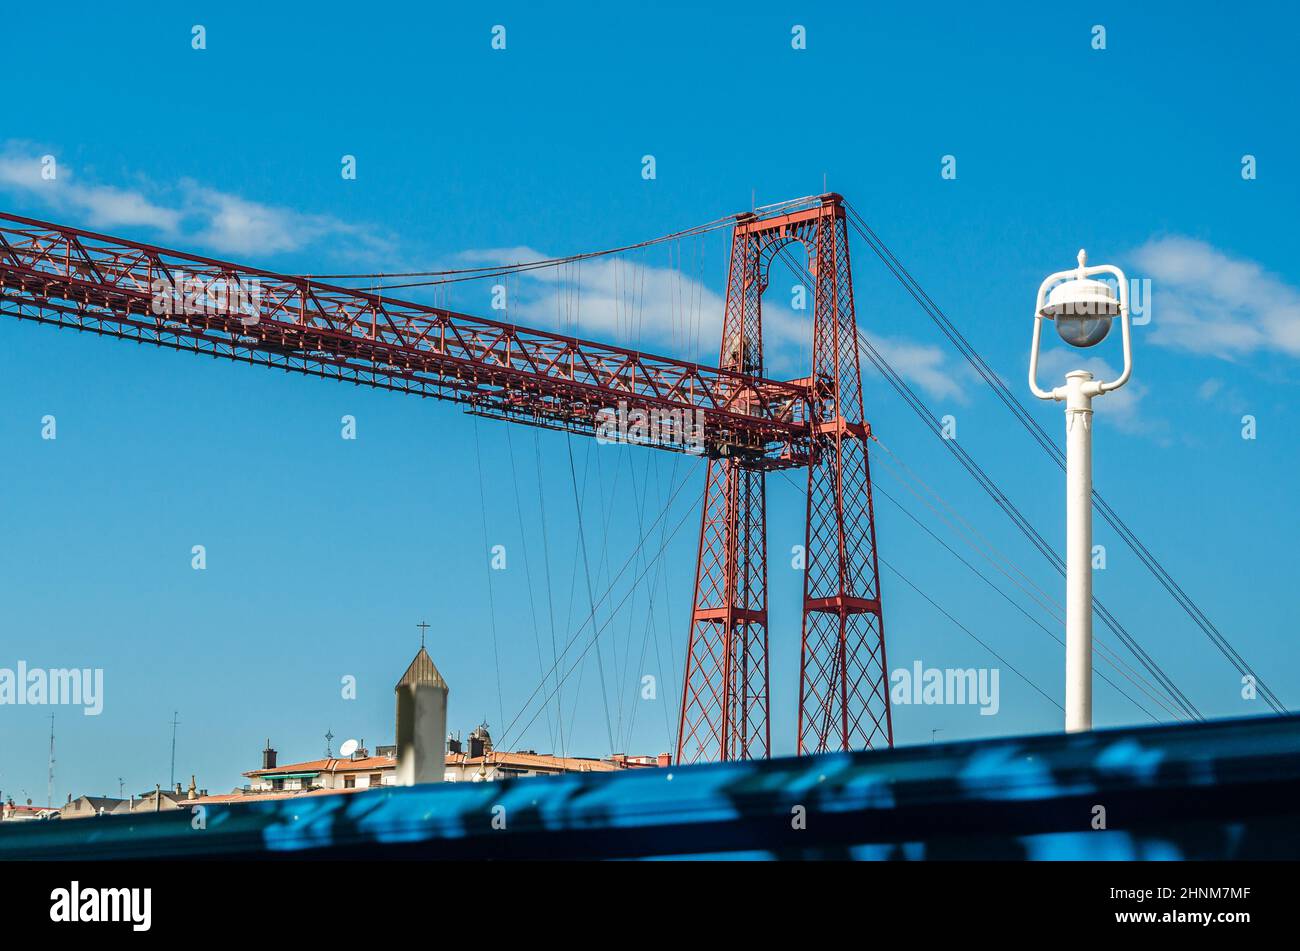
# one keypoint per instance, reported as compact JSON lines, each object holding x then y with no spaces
{"x":348,"y":748}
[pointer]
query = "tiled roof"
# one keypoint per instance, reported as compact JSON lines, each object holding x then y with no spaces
{"x":571,"y":764}
{"x":224,"y":798}
{"x":331,"y":765}
{"x":533,"y":761}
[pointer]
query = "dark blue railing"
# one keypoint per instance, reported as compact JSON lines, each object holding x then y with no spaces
{"x":1212,"y":790}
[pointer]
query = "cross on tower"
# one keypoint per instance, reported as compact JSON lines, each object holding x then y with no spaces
{"x":423,"y":627}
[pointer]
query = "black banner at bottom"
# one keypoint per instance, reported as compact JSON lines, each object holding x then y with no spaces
{"x":385,"y":900}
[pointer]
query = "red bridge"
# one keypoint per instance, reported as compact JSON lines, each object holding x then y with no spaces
{"x":66,"y":277}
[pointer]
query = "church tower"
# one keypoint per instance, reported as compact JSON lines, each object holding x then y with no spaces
{"x":421,"y":723}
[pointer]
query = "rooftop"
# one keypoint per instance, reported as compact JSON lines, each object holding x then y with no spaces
{"x":329,"y":765}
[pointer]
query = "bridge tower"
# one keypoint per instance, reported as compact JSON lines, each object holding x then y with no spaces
{"x":843,"y":681}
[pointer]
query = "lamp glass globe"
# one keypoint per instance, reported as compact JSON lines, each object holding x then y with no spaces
{"x":1083,"y":330}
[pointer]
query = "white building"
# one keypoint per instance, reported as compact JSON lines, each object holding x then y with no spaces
{"x":420,"y":687}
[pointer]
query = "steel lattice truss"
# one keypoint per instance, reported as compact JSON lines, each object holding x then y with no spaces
{"x":843,"y":684}
{"x":71,"y":278}
{"x":844,"y":681}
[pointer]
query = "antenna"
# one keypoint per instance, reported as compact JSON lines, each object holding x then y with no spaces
{"x":121,"y":787}
{"x":175,"y":723}
{"x":49,"y":789}
{"x":329,"y":741}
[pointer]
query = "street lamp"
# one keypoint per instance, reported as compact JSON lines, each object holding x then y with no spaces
{"x":1082,"y":310}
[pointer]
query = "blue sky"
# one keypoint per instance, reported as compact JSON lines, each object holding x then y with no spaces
{"x":323,"y":554}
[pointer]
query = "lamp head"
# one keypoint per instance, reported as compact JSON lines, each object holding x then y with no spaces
{"x":1082,"y":310}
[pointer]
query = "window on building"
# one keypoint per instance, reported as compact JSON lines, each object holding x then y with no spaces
{"x":376,"y":779}
{"x":349,"y":782}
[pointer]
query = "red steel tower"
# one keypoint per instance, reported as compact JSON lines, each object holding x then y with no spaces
{"x":843,"y":681}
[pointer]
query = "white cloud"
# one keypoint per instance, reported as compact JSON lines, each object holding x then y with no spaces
{"x":99,"y":206}
{"x":187,"y":213}
{"x":1208,"y":302}
{"x":925,"y":365}
{"x":1220,"y":395}
{"x":641,"y":305}
{"x":612,"y":298}
{"x":235,"y":225}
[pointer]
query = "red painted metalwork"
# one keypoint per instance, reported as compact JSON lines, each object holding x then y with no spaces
{"x":843,"y":679}
{"x":64,"y":276}
{"x":843,"y":684}
{"x":724,"y":714}
{"x":67,"y":277}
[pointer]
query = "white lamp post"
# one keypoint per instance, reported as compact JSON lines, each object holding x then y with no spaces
{"x":1083,"y":310}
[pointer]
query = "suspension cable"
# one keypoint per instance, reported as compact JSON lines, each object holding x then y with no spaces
{"x":454,"y":275}
{"x":907,"y":581}
{"x":1018,"y":518}
{"x":1036,"y":431}
{"x":1103,"y":651}
{"x":590,"y":618}
{"x":595,"y":637}
{"x":591,"y":599}
{"x":492,"y":608}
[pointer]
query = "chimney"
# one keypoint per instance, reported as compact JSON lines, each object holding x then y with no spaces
{"x":421,"y":723}
{"x":192,"y":793}
{"x":453,"y":744}
{"x":480,"y":741}
{"x":665,"y":759}
{"x":268,"y":756}
{"x":178,"y":790}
